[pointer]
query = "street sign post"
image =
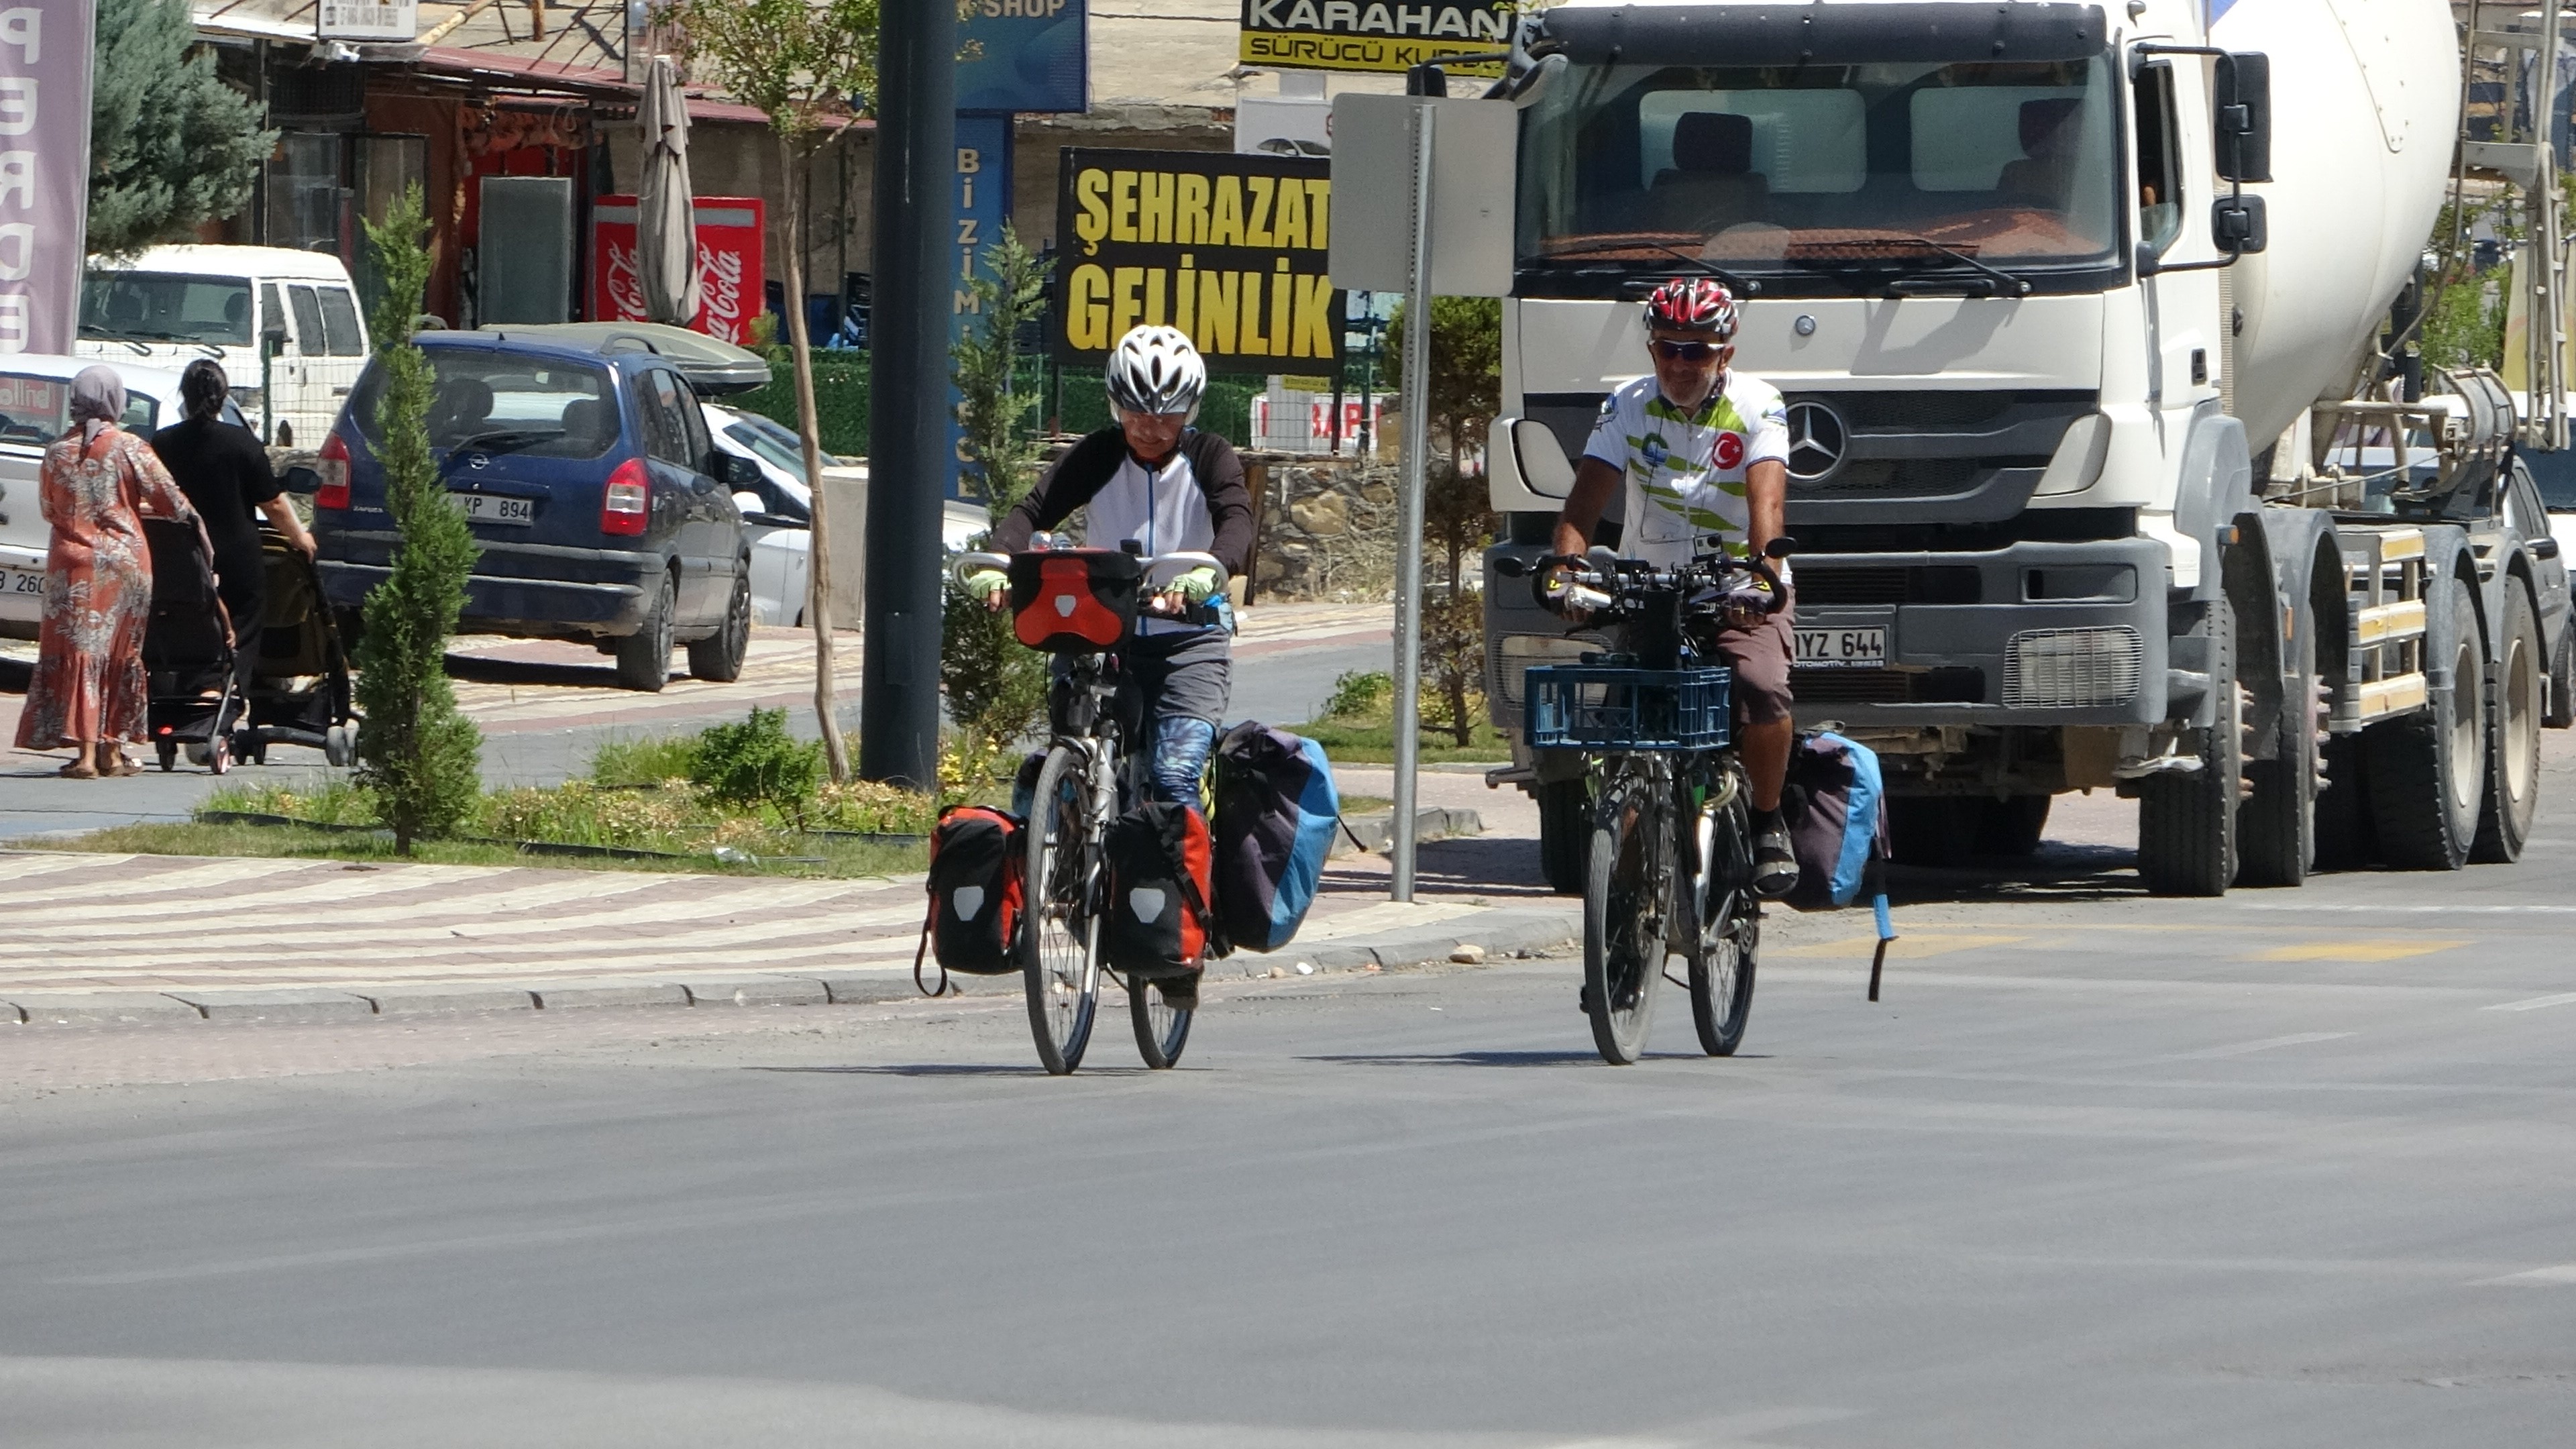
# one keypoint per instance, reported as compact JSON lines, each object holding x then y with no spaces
{"x":1450,"y":163}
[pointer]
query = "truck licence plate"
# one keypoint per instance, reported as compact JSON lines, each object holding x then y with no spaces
{"x":496,"y":508}
{"x":1842,"y":648}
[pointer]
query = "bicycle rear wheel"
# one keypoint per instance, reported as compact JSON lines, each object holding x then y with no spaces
{"x":1623,"y":938}
{"x":1060,"y":951}
{"x":1727,"y":934}
{"x":1162,"y":1029}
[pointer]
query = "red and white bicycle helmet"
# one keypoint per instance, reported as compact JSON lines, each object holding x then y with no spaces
{"x":1693,"y":304}
{"x":1156,"y":370}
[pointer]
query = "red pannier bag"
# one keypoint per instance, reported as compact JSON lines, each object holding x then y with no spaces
{"x":1074,"y":600}
{"x":975,"y":896}
{"x":1159,"y":924}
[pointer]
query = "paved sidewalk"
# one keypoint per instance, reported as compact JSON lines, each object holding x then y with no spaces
{"x":104,"y":938}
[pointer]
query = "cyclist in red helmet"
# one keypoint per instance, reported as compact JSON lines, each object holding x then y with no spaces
{"x":1703,"y":450}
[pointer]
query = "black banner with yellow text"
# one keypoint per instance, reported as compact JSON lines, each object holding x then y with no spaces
{"x":1228,"y":248}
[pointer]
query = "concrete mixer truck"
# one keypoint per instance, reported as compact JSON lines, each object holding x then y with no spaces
{"x":2098,"y":475}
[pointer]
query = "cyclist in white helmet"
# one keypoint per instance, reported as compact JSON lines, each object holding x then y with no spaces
{"x":1153,"y":478}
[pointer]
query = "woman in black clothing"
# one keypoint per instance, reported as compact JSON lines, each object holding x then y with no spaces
{"x":224,"y":471}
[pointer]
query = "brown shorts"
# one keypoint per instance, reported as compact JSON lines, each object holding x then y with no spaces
{"x":1761,"y":658}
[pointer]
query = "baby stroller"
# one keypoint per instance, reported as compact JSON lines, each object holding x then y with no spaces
{"x":299,"y":688}
{"x":188,"y":651}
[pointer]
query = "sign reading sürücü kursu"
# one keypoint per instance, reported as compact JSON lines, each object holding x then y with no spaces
{"x":1228,"y":248}
{"x":1366,"y":35}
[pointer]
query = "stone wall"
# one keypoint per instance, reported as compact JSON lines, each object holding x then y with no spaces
{"x":1327,"y":531}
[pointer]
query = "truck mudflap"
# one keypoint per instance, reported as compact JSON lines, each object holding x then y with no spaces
{"x":2040,"y":634}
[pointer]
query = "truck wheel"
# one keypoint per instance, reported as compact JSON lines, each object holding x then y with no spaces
{"x":1940,"y":831}
{"x":2187,"y":822}
{"x":2012,"y":826}
{"x":2562,"y":682}
{"x":644,"y":657}
{"x":1564,"y":828}
{"x":2426,"y":768}
{"x":2512,"y":790}
{"x":2276,"y":833}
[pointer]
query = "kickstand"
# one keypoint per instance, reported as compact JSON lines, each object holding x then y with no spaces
{"x":1886,"y":934}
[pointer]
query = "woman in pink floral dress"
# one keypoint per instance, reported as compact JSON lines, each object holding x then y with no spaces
{"x":97,"y":485}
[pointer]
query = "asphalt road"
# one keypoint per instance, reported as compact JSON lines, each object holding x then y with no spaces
{"x":2289,"y":1169}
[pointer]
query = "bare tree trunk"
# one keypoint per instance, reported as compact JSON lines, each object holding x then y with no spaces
{"x":818,"y":573}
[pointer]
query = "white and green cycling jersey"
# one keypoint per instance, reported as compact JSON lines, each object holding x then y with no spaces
{"x":1685,"y":470}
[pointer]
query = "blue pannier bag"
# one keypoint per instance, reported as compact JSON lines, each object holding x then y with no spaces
{"x":1836,"y":804}
{"x":1276,"y":811}
{"x":1837,"y":819}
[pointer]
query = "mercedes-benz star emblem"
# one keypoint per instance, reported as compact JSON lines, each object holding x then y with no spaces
{"x":1816,"y":440}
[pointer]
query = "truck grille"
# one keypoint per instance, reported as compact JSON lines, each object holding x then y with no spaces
{"x":2072,"y":668}
{"x":1914,"y":584}
{"x":1888,"y":686}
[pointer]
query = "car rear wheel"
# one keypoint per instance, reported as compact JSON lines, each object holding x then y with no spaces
{"x":718,"y":657}
{"x":644,"y":657}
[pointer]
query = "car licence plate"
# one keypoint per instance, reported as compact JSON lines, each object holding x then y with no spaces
{"x":496,"y":508}
{"x":1842,"y":648}
{"x":21,"y":581}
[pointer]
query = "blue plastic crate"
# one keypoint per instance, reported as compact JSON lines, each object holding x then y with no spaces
{"x":1604,"y":707}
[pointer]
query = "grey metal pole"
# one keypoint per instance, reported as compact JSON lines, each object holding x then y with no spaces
{"x":908,"y":391}
{"x":1408,"y":530}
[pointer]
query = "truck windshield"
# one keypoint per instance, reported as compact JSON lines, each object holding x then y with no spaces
{"x":165,"y":307}
{"x":1817,"y":175}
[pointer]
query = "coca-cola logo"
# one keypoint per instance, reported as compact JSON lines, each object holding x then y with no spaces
{"x":625,"y":283}
{"x":720,"y":294}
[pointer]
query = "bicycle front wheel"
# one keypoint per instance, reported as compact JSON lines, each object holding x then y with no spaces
{"x":1162,"y":1029}
{"x":1623,"y":937}
{"x":1727,"y":928}
{"x":1060,"y":950}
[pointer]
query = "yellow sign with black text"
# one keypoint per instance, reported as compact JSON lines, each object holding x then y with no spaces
{"x":1352,"y":35}
{"x":1230,"y":249}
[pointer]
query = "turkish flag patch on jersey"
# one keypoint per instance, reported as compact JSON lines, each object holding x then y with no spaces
{"x":1728,"y":451}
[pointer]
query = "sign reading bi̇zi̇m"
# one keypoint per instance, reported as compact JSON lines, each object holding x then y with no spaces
{"x":1362,"y":35}
{"x":1230,"y":249}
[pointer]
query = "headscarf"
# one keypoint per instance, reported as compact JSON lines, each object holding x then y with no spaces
{"x":98,"y":400}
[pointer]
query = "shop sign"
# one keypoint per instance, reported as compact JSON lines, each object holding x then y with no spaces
{"x":1024,"y":56}
{"x":44,"y":172}
{"x":1228,"y":248}
{"x":366,"y":19}
{"x":730,"y":274}
{"x":1357,"y":35}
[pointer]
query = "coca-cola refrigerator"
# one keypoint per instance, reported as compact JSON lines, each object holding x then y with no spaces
{"x":730,"y":276}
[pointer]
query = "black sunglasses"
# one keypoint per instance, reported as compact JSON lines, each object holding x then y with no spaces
{"x":1684,"y":351}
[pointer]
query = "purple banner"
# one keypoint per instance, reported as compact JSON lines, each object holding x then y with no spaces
{"x":44,"y":171}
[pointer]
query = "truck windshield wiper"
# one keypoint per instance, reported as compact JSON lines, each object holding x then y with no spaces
{"x":1740,"y":284}
{"x":2006,"y":281}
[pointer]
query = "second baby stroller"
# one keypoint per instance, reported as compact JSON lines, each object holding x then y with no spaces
{"x":188,"y":651}
{"x":300,"y":693}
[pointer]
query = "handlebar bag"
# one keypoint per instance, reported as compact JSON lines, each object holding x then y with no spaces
{"x":1836,"y":805}
{"x":975,"y":893}
{"x":1074,"y":600}
{"x":1276,"y":811}
{"x":1158,"y":925}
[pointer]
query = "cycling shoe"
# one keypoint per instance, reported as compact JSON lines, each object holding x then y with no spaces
{"x":1775,"y":866}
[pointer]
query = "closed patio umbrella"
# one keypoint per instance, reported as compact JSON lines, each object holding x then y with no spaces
{"x":666,"y":228}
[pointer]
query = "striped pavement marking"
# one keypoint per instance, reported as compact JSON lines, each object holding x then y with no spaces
{"x":2379,"y":950}
{"x":2535,"y":1003}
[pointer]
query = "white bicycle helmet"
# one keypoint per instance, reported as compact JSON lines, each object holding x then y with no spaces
{"x":1156,"y":370}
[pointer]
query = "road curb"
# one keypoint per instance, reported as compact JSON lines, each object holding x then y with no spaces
{"x":1369,"y":834}
{"x":1499,"y":930}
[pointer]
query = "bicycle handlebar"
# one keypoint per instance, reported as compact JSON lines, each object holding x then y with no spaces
{"x":1160,"y":570}
{"x":1600,"y":581}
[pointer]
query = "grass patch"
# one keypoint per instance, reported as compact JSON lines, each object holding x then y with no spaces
{"x":823,"y":858}
{"x":647,"y":760}
{"x":1357,"y":727}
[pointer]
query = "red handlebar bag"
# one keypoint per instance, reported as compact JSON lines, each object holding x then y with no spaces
{"x":1074,"y":600}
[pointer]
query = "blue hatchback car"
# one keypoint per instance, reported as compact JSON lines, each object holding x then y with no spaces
{"x":604,"y":510}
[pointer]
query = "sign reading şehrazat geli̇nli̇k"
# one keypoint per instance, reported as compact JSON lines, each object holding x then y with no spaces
{"x":1228,"y":248}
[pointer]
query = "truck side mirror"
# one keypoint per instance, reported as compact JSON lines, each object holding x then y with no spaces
{"x":1542,"y":459}
{"x":2237,"y":225}
{"x":2241,"y":117}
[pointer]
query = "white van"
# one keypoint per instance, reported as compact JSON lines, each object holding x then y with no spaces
{"x":167,"y":306}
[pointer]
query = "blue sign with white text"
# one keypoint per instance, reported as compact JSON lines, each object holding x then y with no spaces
{"x":981,"y":191}
{"x":1031,"y":56}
